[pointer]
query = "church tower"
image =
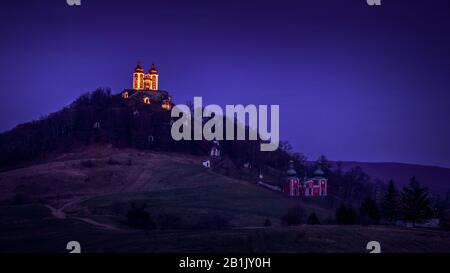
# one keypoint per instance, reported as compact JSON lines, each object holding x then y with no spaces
{"x":151,"y":79}
{"x":153,"y":75}
{"x":147,"y":82}
{"x":138,"y":78}
{"x":291,"y":184}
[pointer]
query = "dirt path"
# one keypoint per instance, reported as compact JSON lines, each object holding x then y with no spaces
{"x":60,"y":214}
{"x":97,"y":224}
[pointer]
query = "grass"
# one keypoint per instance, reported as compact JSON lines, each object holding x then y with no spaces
{"x":247,"y":206}
{"x":170,"y":185}
{"x":40,"y":233}
{"x":177,"y":185}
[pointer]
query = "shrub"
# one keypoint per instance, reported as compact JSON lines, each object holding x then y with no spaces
{"x":293,"y":217}
{"x":313,"y":220}
{"x":267,"y":223}
{"x":445,"y":220}
{"x":370,"y":212}
{"x":345,"y":215}
{"x":138,"y":217}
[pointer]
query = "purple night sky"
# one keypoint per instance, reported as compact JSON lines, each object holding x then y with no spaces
{"x":353,"y":82}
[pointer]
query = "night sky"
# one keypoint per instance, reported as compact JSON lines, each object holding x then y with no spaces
{"x":353,"y":82}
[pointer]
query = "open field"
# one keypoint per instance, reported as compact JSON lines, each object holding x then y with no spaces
{"x":31,"y":228}
{"x":85,"y":197}
{"x":169,"y":183}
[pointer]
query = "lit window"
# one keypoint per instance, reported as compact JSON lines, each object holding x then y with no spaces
{"x":166,"y":106}
{"x":146,"y":100}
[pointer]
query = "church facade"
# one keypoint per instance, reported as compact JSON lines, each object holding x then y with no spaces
{"x":145,"y":81}
{"x":315,"y":186}
{"x":145,"y":89}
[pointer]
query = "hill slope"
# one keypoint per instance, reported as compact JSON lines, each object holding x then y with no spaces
{"x":85,"y":196}
{"x":103,"y":180}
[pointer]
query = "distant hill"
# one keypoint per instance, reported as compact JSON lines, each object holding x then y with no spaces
{"x":437,"y":179}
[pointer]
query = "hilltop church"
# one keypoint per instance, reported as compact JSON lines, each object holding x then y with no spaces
{"x":146,"y":90}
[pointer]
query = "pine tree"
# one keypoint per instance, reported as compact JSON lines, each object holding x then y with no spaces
{"x":389,"y":205}
{"x":415,"y":202}
{"x":369,"y":209}
{"x":345,"y":215}
{"x":293,"y":217}
{"x":313,"y":220}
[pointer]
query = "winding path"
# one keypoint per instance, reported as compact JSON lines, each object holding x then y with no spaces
{"x":60,"y":214}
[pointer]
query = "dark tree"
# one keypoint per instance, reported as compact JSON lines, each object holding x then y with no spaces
{"x":369,"y":210}
{"x":345,"y":215}
{"x":313,"y":220}
{"x":415,"y":202}
{"x":444,"y":212}
{"x":293,"y":217}
{"x":389,"y":205}
{"x":350,"y":186}
{"x":138,"y":217}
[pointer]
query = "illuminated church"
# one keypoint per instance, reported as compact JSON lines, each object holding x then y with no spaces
{"x":142,"y":81}
{"x":146,"y":90}
{"x":315,"y":186}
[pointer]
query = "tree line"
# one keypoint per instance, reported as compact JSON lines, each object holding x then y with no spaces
{"x":413,"y":204}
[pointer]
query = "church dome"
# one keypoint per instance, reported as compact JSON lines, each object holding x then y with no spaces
{"x":153,"y":70}
{"x":139,"y":69}
{"x":291,"y":171}
{"x":319,"y":172}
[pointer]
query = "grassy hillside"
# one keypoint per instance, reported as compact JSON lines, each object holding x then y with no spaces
{"x":105,"y":181}
{"x":31,"y":228}
{"x":85,"y":196}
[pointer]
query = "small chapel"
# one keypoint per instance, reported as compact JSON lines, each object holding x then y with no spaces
{"x":145,"y":89}
{"x":314,"y":186}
